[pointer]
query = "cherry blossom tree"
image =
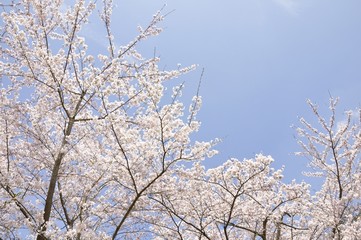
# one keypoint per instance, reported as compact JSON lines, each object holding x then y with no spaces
{"x":84,"y":137}
{"x":93,"y":146}
{"x":333,"y":150}
{"x":237,"y":200}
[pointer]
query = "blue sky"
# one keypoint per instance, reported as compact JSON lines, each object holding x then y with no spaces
{"x":262,"y":60}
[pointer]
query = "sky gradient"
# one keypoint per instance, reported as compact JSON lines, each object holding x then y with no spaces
{"x":262,"y":60}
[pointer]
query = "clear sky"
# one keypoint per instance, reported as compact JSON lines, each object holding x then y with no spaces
{"x":262,"y":60}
